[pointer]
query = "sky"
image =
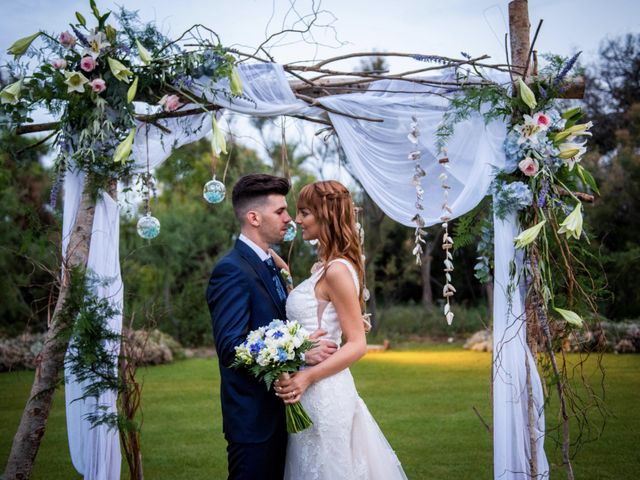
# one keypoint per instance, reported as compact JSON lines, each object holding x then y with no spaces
{"x":443,"y":27}
{"x":440,"y":27}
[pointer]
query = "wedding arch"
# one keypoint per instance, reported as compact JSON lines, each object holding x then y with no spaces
{"x":427,"y":145}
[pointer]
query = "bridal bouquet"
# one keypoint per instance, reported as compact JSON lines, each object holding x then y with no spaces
{"x":271,"y":351}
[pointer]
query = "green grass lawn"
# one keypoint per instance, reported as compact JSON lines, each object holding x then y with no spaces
{"x":421,"y":398}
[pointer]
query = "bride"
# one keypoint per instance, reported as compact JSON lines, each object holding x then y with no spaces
{"x":344,"y":441}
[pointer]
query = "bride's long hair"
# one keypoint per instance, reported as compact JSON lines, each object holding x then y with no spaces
{"x":332,"y":206}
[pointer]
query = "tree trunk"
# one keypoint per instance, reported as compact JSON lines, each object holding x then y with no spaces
{"x":425,"y":274}
{"x":425,"y":269}
{"x":488,"y":288}
{"x":519,"y":28}
{"x":47,"y":376}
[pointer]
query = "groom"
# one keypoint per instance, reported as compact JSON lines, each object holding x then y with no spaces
{"x":246,"y":292}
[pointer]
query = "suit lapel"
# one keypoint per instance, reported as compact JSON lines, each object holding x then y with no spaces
{"x":263,"y":273}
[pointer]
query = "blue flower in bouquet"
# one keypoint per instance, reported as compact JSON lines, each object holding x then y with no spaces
{"x":283,"y":356}
{"x":255,"y":348}
{"x":511,"y":197}
{"x":514,"y":152}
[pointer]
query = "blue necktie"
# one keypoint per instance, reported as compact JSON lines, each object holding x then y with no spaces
{"x":276,"y":278}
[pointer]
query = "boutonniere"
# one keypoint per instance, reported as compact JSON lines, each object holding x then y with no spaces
{"x":288,"y":279}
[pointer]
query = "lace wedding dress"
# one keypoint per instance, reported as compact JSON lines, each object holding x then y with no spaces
{"x":344,"y":441}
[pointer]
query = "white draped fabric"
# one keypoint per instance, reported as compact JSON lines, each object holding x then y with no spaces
{"x":95,"y":452}
{"x":511,"y":436}
{"x":377,"y":153}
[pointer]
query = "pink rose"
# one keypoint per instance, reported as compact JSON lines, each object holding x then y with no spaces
{"x":98,"y":85}
{"x":528,"y":166}
{"x":59,"y":64}
{"x":170,"y":103}
{"x":87,"y":64}
{"x":542,"y":119}
{"x":67,"y":40}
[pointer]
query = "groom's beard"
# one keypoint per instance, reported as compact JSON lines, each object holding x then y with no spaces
{"x":275,"y":237}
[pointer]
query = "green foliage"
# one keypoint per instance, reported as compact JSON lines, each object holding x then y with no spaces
{"x":29,"y":233}
{"x":409,"y":322}
{"x":166,"y":278}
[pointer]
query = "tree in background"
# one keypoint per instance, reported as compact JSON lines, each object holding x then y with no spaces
{"x":29,"y":233}
{"x":166,"y":278}
{"x":612,"y":102}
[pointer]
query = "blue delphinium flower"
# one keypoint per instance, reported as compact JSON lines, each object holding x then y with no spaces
{"x":277,"y":334}
{"x":282,"y":355}
{"x":256,"y":347}
{"x":542,"y":196}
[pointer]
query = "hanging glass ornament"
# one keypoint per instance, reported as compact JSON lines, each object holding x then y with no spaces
{"x":214,"y":191}
{"x":292,"y":229}
{"x":148,"y":227}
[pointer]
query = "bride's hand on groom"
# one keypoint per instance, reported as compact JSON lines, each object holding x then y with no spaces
{"x":290,"y":387}
{"x":323,"y":349}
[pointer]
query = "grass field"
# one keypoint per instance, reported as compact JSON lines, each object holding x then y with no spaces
{"x":421,"y":398}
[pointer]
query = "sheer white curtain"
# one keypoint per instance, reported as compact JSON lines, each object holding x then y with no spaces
{"x":511,"y":436}
{"x":377,"y":152}
{"x":95,"y":451}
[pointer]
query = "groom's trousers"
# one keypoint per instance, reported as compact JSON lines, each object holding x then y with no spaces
{"x":264,"y":461}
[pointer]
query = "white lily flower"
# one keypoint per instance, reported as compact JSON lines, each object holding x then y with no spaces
{"x":11,"y":93}
{"x":97,"y":43}
{"x":218,"y":143}
{"x":528,"y":235}
{"x":75,"y":81}
{"x":530,"y":131}
{"x":572,"y":153}
{"x":572,"y":225}
{"x":579,"y":129}
{"x":571,"y":317}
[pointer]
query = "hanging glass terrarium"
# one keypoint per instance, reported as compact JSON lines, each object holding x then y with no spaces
{"x":148,"y":227}
{"x":214,"y":191}
{"x":292,"y":229}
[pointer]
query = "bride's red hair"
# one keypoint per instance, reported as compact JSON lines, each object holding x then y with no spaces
{"x":332,"y":206}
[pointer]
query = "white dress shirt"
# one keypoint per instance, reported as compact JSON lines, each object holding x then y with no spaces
{"x":259,"y":251}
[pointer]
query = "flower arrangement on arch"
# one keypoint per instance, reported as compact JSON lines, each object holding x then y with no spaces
{"x":90,"y":74}
{"x":545,"y":181}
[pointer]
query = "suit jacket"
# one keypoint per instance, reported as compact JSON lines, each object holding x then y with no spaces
{"x":242,"y":297}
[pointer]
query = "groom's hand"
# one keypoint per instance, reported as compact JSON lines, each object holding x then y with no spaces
{"x":323,"y":349}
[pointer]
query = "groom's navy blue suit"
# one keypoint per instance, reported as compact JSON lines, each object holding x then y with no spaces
{"x":242,"y":296}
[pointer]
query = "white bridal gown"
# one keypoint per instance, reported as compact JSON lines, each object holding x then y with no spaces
{"x":344,"y":441}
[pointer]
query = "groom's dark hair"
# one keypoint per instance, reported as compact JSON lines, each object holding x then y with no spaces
{"x":251,"y":190}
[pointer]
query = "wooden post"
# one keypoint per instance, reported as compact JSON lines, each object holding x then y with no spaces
{"x":519,"y":31}
{"x":519,"y":28}
{"x":47,"y":376}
